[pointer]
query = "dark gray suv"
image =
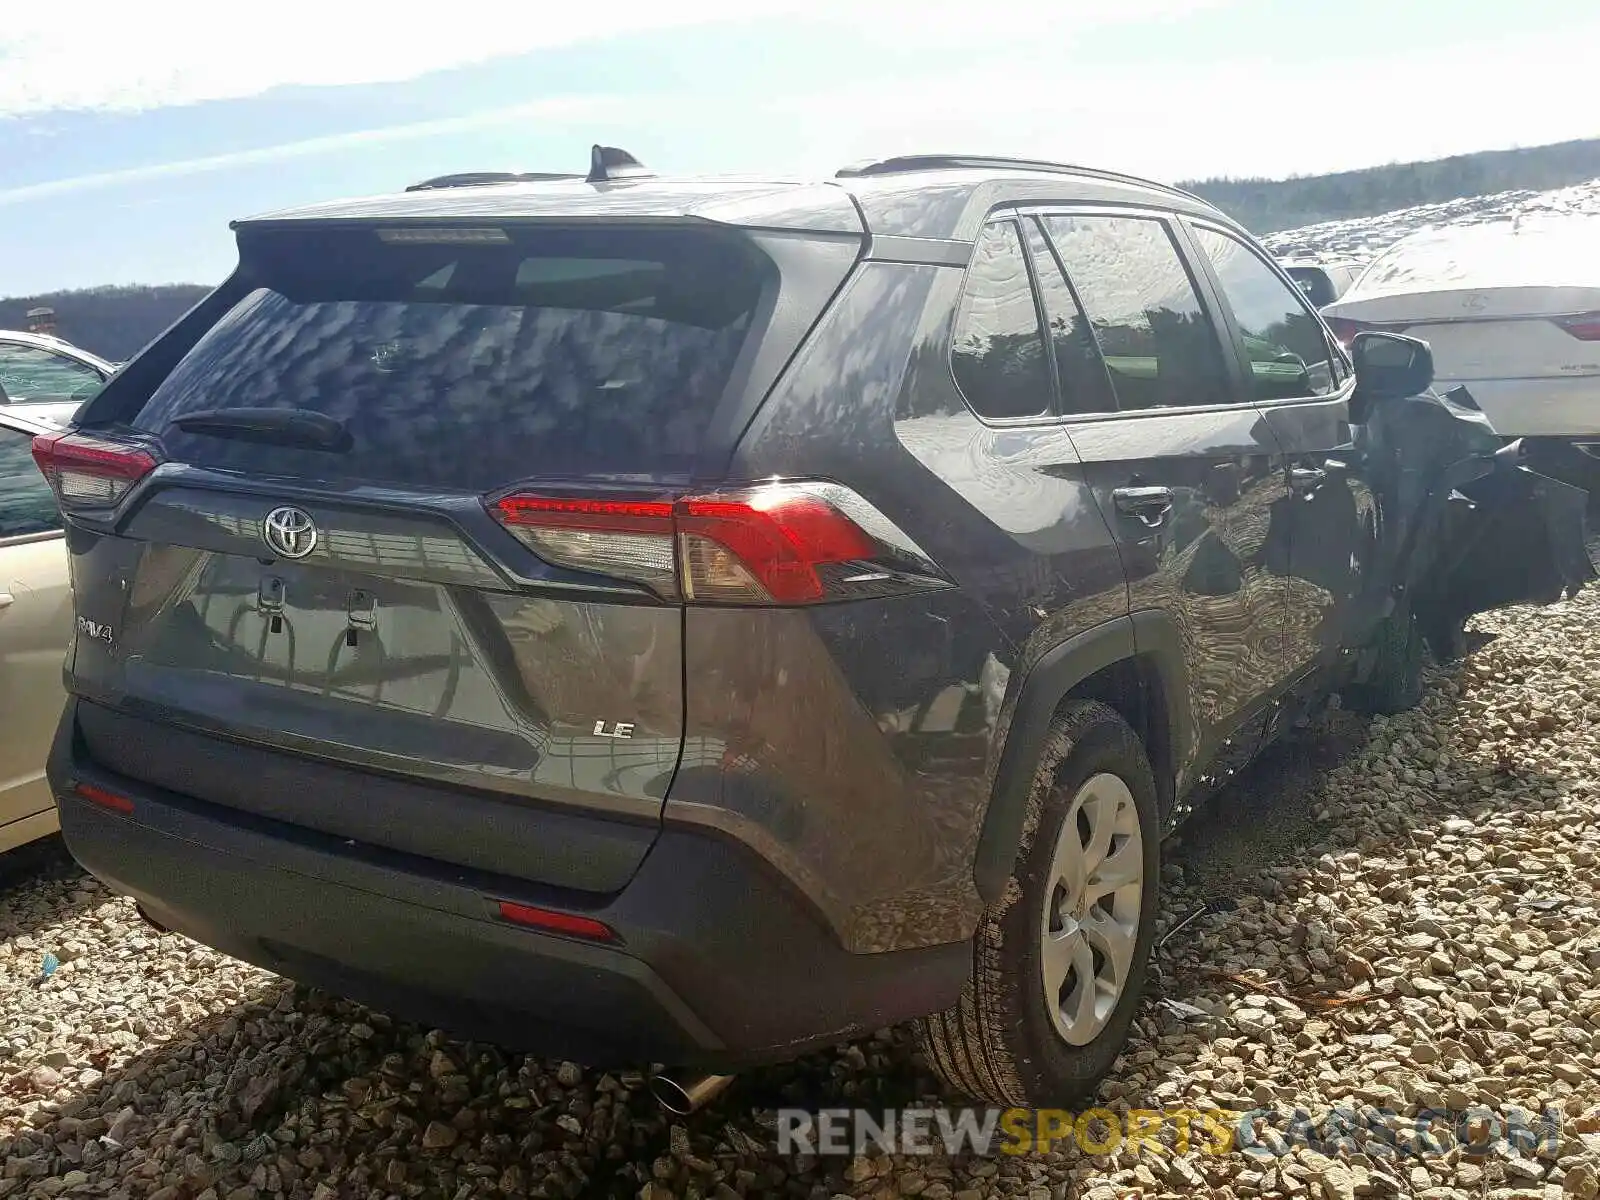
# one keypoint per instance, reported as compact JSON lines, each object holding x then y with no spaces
{"x":684,"y":621}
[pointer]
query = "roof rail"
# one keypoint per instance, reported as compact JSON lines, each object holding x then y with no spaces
{"x":477,"y":178}
{"x":988,"y":162}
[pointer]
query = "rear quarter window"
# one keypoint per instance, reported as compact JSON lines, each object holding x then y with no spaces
{"x":549,"y":352}
{"x":997,"y":346}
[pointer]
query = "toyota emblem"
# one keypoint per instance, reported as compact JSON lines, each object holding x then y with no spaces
{"x":290,"y":532}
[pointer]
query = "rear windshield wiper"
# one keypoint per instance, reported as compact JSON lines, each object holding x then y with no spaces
{"x":274,"y":426}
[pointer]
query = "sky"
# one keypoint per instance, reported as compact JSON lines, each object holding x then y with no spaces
{"x":131,"y":134}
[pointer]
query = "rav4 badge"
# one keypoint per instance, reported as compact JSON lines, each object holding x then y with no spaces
{"x":94,"y":629}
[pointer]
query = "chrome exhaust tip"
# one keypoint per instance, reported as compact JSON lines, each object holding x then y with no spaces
{"x":682,"y":1098}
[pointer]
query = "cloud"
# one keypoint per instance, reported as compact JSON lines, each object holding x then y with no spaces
{"x":1252,"y":115}
{"x":113,"y":55}
{"x":1259,"y":117}
{"x":554,"y":109}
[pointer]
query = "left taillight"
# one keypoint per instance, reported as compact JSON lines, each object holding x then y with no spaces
{"x":774,"y":544}
{"x":628,"y":539}
{"x":90,"y":472}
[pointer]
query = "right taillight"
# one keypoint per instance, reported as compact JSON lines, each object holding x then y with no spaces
{"x":1345,"y":329}
{"x":777,"y":543}
{"x":90,"y":472}
{"x":1584,"y":326}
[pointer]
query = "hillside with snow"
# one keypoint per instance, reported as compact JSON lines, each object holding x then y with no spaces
{"x":1364,"y":238}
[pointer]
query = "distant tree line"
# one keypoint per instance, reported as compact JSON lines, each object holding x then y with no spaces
{"x":113,"y":322}
{"x":1268,"y":205}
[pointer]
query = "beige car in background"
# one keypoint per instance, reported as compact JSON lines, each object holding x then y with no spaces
{"x":35,"y":623}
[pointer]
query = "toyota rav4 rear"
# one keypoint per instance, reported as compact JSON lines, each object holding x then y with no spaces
{"x":387,"y":555}
{"x":684,"y":621}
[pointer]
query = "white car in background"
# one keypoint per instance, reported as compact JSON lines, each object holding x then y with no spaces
{"x":1511,"y":311}
{"x":36,"y":368}
{"x":35,"y":622}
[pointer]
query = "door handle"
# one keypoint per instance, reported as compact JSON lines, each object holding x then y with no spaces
{"x":1150,"y":504}
{"x":1305,"y":480}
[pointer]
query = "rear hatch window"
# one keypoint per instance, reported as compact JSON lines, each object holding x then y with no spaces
{"x":464,"y":359}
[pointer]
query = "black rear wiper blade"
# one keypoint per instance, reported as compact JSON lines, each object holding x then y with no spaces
{"x":275,"y":426}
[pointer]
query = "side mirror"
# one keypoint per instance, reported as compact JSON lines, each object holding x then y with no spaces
{"x":1390,"y":366}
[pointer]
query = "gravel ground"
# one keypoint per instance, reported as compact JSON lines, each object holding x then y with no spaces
{"x":1400,"y":914}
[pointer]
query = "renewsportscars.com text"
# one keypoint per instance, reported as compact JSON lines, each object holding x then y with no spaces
{"x":1214,"y":1131}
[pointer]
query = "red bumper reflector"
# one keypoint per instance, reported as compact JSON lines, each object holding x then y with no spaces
{"x":105,"y":799}
{"x":556,"y":922}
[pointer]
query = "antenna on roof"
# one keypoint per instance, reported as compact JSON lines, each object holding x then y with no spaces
{"x":608,"y":163}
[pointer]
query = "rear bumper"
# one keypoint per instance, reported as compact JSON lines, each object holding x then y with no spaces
{"x":718,"y":962}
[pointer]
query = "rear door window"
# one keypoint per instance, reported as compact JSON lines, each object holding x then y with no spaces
{"x":1160,"y":347}
{"x":469,"y":364}
{"x":1080,"y":371}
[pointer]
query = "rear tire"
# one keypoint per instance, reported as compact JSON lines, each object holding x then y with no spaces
{"x":1059,"y":962}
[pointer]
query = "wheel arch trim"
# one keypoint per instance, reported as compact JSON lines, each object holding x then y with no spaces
{"x":1148,"y":635}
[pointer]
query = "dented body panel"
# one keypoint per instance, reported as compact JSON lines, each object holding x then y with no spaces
{"x":1467,"y":527}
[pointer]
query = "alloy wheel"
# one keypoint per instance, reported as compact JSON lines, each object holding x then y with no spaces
{"x":1092,"y":902}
